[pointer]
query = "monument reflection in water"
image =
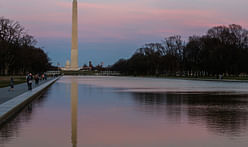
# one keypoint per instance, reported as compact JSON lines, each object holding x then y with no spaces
{"x":74,"y":109}
{"x":102,"y":112}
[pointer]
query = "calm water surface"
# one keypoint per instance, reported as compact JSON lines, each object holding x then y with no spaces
{"x":132,"y":112}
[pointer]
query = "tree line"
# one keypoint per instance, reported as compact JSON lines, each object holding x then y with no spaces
{"x":18,"y":53}
{"x":222,"y":50}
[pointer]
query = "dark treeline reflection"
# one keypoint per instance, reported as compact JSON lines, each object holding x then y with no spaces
{"x":221,"y":113}
{"x":12,"y":127}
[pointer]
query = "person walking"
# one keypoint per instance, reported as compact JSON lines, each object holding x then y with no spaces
{"x":27,"y":78}
{"x":11,"y":84}
{"x":43,"y":77}
{"x":36,"y":78}
{"x":29,"y":81}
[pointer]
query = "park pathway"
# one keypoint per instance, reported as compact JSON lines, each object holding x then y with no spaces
{"x":6,"y":94}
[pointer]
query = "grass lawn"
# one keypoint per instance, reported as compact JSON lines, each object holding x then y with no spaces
{"x":5,"y":80}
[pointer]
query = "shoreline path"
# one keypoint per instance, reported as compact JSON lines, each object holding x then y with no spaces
{"x":6,"y":94}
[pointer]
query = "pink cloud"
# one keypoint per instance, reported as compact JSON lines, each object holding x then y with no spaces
{"x":119,"y":21}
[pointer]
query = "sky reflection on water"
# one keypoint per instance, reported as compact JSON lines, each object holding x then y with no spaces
{"x":76,"y":112}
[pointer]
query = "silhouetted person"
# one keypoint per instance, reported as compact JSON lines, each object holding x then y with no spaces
{"x":29,"y":81}
{"x":36,"y":78}
{"x":11,"y":84}
{"x":45,"y":76}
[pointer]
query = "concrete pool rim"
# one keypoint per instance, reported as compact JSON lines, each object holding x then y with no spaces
{"x":13,"y":106}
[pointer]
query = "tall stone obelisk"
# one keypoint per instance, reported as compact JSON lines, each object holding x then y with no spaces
{"x":74,"y":41}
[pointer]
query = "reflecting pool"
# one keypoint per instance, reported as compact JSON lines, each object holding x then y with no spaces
{"x":132,"y":112}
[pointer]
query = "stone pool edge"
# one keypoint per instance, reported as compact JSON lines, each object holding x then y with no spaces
{"x":13,"y":106}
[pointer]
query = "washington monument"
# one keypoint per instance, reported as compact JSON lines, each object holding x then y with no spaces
{"x":74,"y":42}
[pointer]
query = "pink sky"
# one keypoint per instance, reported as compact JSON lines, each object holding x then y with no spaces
{"x":134,"y":22}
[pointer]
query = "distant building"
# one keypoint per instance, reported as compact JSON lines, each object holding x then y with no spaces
{"x":68,"y":64}
{"x":90,"y":64}
{"x":86,"y":68}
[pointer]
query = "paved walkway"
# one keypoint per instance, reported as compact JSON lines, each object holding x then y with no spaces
{"x":19,"y":89}
{"x":14,"y":104}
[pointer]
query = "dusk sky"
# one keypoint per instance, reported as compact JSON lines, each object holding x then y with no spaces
{"x":114,"y":29}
